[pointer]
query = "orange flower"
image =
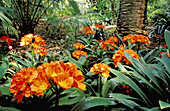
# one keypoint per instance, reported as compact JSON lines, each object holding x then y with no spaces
{"x":133,"y":54}
{"x":101,"y":68}
{"x":20,"y":84}
{"x":117,"y":58}
{"x":77,"y":54}
{"x":105,"y":46}
{"x":41,"y":51}
{"x":114,"y":39}
{"x":100,"y":26}
{"x":119,"y":55}
{"x":90,"y":32}
{"x":30,"y":38}
{"x":40,"y":83}
{"x":66,"y":75}
{"x":137,"y":38}
{"x":38,"y":41}
{"x":79,"y":46}
{"x":26,"y":40}
{"x":28,"y":81}
{"x":5,"y":38}
{"x":127,"y":37}
{"x":87,"y":28}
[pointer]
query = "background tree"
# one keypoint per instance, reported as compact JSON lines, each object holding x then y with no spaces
{"x":131,"y":18}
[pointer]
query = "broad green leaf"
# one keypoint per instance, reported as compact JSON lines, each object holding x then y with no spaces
{"x":105,"y":87}
{"x":75,"y":6}
{"x":29,"y":56}
{"x":151,"y":56}
{"x":75,"y":95}
{"x":142,"y":68}
{"x":4,"y":90}
{"x":131,"y":83}
{"x":92,"y":102}
{"x":8,"y":109}
{"x":166,"y":62}
{"x":124,"y":99}
{"x":3,"y":68}
{"x":120,"y":38}
{"x":82,"y":59}
{"x":23,"y":62}
{"x":73,"y":61}
{"x":164,"y":105}
{"x":167,"y":38}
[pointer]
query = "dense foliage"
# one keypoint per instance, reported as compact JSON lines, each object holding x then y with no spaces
{"x":94,"y":67}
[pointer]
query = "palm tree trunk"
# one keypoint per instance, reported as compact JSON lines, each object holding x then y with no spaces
{"x":131,"y":17}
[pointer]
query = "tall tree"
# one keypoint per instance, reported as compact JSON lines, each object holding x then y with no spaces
{"x":131,"y":18}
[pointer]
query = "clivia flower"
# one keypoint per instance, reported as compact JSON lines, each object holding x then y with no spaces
{"x":29,"y":81}
{"x":100,"y":26}
{"x":137,"y":38}
{"x":79,"y":46}
{"x":5,"y":38}
{"x":101,"y":68}
{"x":119,"y":56}
{"x":41,"y":51}
{"x":77,"y":54}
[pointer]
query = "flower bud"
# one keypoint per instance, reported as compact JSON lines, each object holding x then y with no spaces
{"x":10,"y":47}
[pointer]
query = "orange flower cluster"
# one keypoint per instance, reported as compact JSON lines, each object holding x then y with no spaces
{"x":137,"y":38}
{"x":100,"y":26}
{"x":66,"y":75}
{"x":30,"y":38}
{"x":30,"y":81}
{"x":111,"y":41}
{"x":41,"y":51}
{"x":119,"y":55}
{"x":79,"y":46}
{"x":23,"y":83}
{"x":77,"y":54}
{"x":36,"y":41}
{"x":5,"y":38}
{"x":165,"y":53}
{"x":101,"y":68}
{"x":89,"y":31}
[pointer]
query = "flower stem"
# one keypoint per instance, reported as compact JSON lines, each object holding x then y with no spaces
{"x":99,"y":85}
{"x":32,"y":57}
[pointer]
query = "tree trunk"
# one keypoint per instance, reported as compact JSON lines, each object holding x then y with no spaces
{"x":131,"y":17}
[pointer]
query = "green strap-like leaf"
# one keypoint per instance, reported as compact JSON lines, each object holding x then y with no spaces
{"x":3,"y":68}
{"x":167,"y":38}
{"x":124,"y":99}
{"x":92,"y":102}
{"x":8,"y":109}
{"x":73,"y":61}
{"x":164,"y":105}
{"x":73,"y":97}
{"x":82,"y":59}
{"x":131,"y":83}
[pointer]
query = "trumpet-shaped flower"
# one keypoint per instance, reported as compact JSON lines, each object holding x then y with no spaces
{"x":89,"y":31}
{"x":79,"y":46}
{"x":119,"y":56}
{"x":77,"y":54}
{"x":38,"y":41}
{"x":100,"y":26}
{"x":66,"y":75}
{"x":26,"y":40}
{"x":5,"y":38}
{"x":110,"y":41}
{"x":137,"y":38}
{"x":101,"y":68}
{"x":41,"y":51}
